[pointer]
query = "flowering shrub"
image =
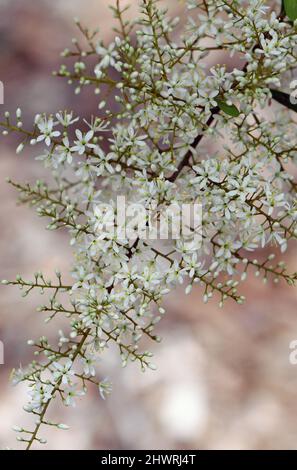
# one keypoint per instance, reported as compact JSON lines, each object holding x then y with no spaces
{"x":159,"y":108}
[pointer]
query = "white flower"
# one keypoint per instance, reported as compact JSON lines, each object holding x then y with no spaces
{"x":274,"y":200}
{"x":102,"y":162}
{"x":82,"y":278}
{"x":71,"y":394}
{"x":88,"y":366}
{"x":192,"y":264}
{"x":206,"y":97}
{"x":227,"y":247}
{"x":66,"y":119}
{"x":175,"y":274}
{"x":64,"y":151}
{"x":242,"y":187}
{"x":108,"y":55}
{"x":105,"y":388}
{"x":47,"y":132}
{"x":40,"y":394}
{"x":270,"y":46}
{"x":17,"y":375}
{"x":83,"y":142}
{"x":63,"y":372}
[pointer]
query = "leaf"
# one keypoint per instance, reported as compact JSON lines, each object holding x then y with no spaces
{"x":231,"y":110}
{"x":291,"y":9}
{"x":284,"y":99}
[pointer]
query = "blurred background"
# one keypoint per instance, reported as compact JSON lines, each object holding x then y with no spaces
{"x":223,"y":381}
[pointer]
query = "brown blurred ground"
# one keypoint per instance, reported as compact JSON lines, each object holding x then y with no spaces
{"x":223,"y":379}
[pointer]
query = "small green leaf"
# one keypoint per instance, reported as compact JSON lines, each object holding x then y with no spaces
{"x":230,"y":110}
{"x":291,"y":9}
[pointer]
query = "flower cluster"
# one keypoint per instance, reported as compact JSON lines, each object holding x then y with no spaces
{"x":150,"y":142}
